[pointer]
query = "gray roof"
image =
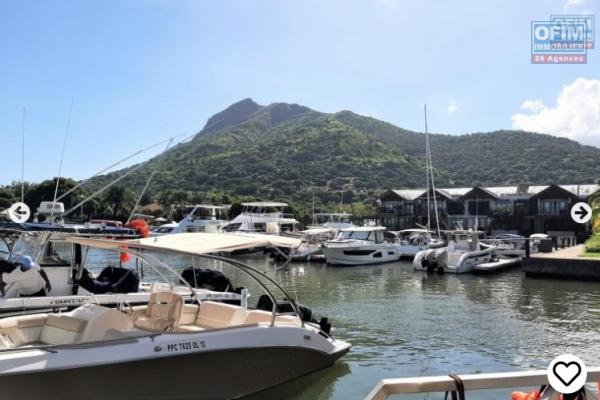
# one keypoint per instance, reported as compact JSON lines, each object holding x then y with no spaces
{"x":507,"y":192}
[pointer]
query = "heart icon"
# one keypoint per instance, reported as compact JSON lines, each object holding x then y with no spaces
{"x":566,"y":372}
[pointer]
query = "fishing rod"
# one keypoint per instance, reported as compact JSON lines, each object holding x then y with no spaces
{"x":158,"y":163}
{"x":97,"y":192}
{"x":83,"y":182}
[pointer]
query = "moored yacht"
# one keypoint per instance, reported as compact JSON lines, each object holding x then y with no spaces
{"x":462,"y":253}
{"x":200,"y":218}
{"x":262,"y":217}
{"x":167,"y":348}
{"x":360,"y":245}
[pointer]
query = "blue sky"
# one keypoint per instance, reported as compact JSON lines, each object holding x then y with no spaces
{"x":141,"y":71}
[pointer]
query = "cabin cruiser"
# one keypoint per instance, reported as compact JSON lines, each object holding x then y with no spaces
{"x":200,"y":218}
{"x":360,"y":245}
{"x":411,"y":241}
{"x":262,"y":217}
{"x":461,"y":255}
{"x":167,"y":348}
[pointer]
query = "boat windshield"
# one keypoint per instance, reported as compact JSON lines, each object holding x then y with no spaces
{"x":356,"y":235}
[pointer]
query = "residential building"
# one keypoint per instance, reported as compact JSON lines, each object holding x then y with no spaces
{"x":522,"y":209}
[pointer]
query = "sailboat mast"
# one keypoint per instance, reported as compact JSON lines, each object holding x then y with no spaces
{"x":313,"y":207}
{"x":430,"y":168}
{"x":427,"y":168}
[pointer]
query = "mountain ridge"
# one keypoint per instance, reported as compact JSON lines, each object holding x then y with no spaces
{"x":289,"y":151}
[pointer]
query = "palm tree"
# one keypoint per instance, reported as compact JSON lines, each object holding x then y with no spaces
{"x":119,"y":202}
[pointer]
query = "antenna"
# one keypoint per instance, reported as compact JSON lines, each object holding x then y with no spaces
{"x":62,"y":157}
{"x":23,"y":158}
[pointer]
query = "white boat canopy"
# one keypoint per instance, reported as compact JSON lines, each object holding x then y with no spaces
{"x":318,"y":231}
{"x":192,"y":243}
{"x":415,"y":231}
{"x":264,"y":204}
{"x":364,"y":229}
{"x":207,"y":206}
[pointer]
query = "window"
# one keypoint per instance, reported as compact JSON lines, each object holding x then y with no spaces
{"x":553,"y":207}
{"x":479,"y":207}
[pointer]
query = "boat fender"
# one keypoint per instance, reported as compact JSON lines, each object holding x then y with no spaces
{"x":325,"y":325}
{"x":265,"y":304}
{"x":141,"y":226}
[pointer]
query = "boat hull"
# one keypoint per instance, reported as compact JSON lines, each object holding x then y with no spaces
{"x":464,"y":264}
{"x":360,"y":255}
{"x":208,"y":375}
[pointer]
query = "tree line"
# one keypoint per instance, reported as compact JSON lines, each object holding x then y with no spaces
{"x":117,"y":202}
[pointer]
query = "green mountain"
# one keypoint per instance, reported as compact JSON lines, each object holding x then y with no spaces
{"x":287,"y":151}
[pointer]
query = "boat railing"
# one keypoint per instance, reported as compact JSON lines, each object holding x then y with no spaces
{"x":275,"y":214}
{"x":502,"y":380}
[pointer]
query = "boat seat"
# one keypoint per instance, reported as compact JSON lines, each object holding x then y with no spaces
{"x":189,"y":328}
{"x":163,"y":312}
{"x":189,"y":313}
{"x":62,"y":329}
{"x":259,"y":316}
{"x":219,"y":315}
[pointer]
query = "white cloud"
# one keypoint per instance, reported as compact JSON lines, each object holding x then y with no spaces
{"x":576,"y":114}
{"x":452,"y":107}
{"x":572,"y":4}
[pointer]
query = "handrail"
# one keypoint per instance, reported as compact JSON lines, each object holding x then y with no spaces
{"x":389,"y":387}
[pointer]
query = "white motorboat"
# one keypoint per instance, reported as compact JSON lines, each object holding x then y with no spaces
{"x":166,"y":349}
{"x":461,"y":255}
{"x":312,"y":240}
{"x":69,"y":266}
{"x":200,"y":218}
{"x":262,"y":217}
{"x":325,"y":227}
{"x":360,"y":245}
{"x":411,"y":241}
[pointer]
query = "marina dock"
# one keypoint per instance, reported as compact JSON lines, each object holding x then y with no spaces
{"x":563,"y":264}
{"x":497,"y":266}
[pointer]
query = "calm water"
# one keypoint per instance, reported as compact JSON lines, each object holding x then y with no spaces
{"x":403,"y":323}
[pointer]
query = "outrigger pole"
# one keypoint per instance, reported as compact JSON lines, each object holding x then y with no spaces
{"x":158,"y":163}
{"x":83,"y":182}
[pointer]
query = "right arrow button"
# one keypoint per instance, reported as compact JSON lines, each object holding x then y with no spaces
{"x":581,"y":212}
